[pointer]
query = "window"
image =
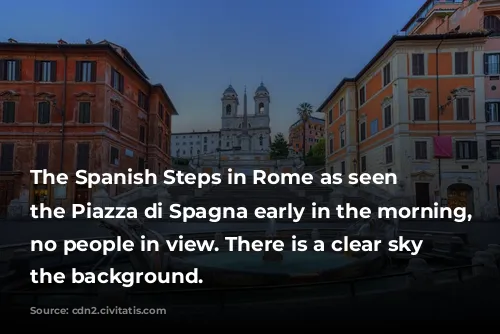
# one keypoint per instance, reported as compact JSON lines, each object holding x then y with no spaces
{"x":142,"y":133}
{"x":43,"y":112}
{"x":42,"y":156}
{"x":493,"y":149}
{"x":387,"y":74}
{"x":419,"y":113}
{"x":373,"y":127}
{"x":85,"y":71}
{"x":160,"y":137}
{"x":492,"y":63}
{"x":141,"y":164}
{"x":462,"y":104}
{"x":388,"y":154}
{"x":117,"y":80}
{"x":387,"y":116}
{"x":421,"y":150}
{"x":418,"y":64}
{"x":342,"y":168}
{"x":82,"y":156}
{"x":7,"y":157}
{"x":362,"y":95}
{"x":10,"y":70}
{"x":331,"y":169}
{"x":363,"y":164}
{"x":205,"y":140}
{"x":461,"y":63}
{"x":491,"y":110}
{"x":161,"y":110}
{"x":205,"y":148}
{"x":466,"y":150}
{"x":84,"y":112}
{"x":9,"y":112}
{"x":261,"y":108}
{"x":142,"y":100}
{"x":362,"y":131}
{"x":115,"y":118}
{"x":330,"y":145}
{"x":491,"y":23}
{"x":330,"y":116}
{"x":342,"y":138}
{"x":261,"y":140}
{"x":45,"y":71}
{"x":341,"y":106}
{"x":114,"y":156}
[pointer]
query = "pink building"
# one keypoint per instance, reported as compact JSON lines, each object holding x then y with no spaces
{"x":452,"y":16}
{"x":315,"y":129}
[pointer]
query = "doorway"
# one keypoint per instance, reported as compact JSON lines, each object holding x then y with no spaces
{"x":81,"y":194}
{"x":461,"y":195}
{"x":41,"y":194}
{"x":6,"y":195}
{"x":423,"y":198}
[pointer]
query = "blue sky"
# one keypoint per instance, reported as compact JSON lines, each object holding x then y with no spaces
{"x":195,"y":48}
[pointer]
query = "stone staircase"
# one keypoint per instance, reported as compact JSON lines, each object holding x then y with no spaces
{"x":249,"y":196}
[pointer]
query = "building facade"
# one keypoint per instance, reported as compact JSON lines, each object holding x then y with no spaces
{"x":190,"y":144}
{"x":315,"y":130}
{"x":417,"y":113}
{"x":67,"y":107}
{"x":466,"y":16}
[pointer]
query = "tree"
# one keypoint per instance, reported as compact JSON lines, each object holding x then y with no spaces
{"x":304,"y":110}
{"x":279,"y":147}
{"x":318,"y":150}
{"x":316,"y":156}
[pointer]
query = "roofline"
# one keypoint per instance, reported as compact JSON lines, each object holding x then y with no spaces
{"x":387,"y":45}
{"x":100,"y":47}
{"x":164,"y":92}
{"x":310,"y":117}
{"x":417,"y":13}
{"x":195,"y":132}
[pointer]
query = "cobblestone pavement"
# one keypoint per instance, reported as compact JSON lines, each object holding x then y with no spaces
{"x":13,"y":232}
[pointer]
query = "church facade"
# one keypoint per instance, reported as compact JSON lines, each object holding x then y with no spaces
{"x":247,"y":132}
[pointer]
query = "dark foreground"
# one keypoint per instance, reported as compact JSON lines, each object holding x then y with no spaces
{"x":472,"y":301}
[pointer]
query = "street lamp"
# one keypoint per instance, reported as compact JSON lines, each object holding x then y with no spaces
{"x":53,"y":105}
{"x":441,"y":110}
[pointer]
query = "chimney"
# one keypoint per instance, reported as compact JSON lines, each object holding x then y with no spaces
{"x":62,"y":41}
{"x":88,"y":41}
{"x":12,"y":40}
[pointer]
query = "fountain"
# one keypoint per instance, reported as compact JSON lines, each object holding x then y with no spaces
{"x":272,"y":255}
{"x":274,"y":267}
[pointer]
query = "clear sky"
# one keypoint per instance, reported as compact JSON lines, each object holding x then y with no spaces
{"x":195,"y":48}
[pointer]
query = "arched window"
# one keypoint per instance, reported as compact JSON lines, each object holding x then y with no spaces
{"x":228,"y":109}
{"x":491,"y":23}
{"x":261,"y":108}
{"x":261,"y":140}
{"x":239,"y":126}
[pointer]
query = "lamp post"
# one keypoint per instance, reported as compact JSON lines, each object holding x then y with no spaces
{"x":441,"y":109}
{"x":355,"y":164}
{"x":53,"y":105}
